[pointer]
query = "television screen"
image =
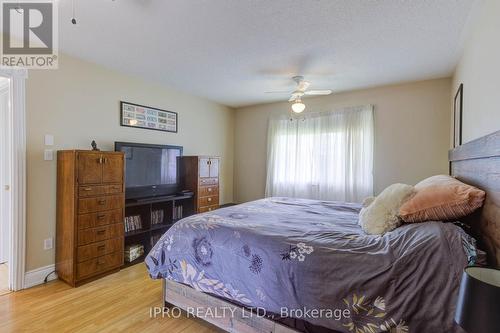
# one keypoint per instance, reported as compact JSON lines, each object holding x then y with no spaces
{"x":150,"y":169}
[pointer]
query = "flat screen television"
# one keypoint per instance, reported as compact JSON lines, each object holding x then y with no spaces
{"x":150,"y":170}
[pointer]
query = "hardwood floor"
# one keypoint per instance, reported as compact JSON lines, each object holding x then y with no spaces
{"x":4,"y":279}
{"x":119,"y":302}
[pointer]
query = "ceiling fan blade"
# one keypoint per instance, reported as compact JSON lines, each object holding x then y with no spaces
{"x":277,"y":92}
{"x":318,"y":92}
{"x":303,"y":85}
{"x":293,"y":98}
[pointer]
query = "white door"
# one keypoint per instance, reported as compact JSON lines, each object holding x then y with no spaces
{"x":5,"y":172}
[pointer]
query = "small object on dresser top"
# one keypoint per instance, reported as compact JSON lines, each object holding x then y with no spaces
{"x":478,"y":302}
{"x":133,"y":252}
{"x":94,"y":146}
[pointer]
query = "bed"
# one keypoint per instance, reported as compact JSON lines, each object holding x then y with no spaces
{"x":285,"y":265}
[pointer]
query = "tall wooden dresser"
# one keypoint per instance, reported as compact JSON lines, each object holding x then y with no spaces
{"x":90,"y":210}
{"x":200,"y":174}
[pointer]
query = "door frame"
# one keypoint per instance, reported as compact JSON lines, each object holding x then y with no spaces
{"x":5,"y":222}
{"x":17,"y":152}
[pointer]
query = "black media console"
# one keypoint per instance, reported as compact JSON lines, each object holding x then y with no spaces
{"x":147,"y":219}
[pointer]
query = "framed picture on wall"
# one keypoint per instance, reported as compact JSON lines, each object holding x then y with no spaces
{"x":135,"y":115}
{"x":457,"y":116}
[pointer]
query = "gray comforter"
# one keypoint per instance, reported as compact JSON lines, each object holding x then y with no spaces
{"x":291,"y":256}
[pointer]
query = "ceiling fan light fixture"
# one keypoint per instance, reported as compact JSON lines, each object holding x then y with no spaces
{"x":298,"y":106}
{"x":300,"y":91}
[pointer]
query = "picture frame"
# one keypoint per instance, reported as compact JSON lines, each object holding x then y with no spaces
{"x":457,"y":116}
{"x":147,"y":117}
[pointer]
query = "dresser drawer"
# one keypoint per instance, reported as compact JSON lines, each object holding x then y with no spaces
{"x":207,"y":209}
{"x":90,"y":205}
{"x":93,"y":190}
{"x":113,"y":189}
{"x":99,"y":265}
{"x":98,"y":234}
{"x":99,"y":249}
{"x":205,"y":191}
{"x":208,"y":181}
{"x":93,"y":220}
{"x":90,"y":190}
{"x":208,"y":201}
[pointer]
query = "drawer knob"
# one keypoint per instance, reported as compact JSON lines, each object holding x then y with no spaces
{"x":101,"y":202}
{"x":87,"y":188}
{"x":101,"y":247}
{"x":101,"y":232}
{"x":209,"y":189}
{"x":100,"y":217}
{"x":209,"y":199}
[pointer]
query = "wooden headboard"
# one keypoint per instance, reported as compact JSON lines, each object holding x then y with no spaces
{"x":478,"y":163}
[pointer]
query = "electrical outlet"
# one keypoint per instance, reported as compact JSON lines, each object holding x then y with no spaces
{"x":48,"y":244}
{"x":48,"y":155}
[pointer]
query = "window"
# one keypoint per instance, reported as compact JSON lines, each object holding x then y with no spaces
{"x":325,"y":156}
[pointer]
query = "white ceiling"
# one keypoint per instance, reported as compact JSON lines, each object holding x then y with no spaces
{"x":232,"y":51}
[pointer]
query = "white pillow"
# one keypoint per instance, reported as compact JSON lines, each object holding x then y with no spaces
{"x":381,"y":215}
{"x":367,"y":202}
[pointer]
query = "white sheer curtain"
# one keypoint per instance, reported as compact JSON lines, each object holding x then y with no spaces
{"x":325,"y":156}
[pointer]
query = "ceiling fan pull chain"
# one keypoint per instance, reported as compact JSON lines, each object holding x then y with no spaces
{"x":73,"y":19}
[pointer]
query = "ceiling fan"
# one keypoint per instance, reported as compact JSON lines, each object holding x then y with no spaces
{"x":301,"y":91}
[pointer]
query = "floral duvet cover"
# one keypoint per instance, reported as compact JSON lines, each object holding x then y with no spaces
{"x":291,"y":256}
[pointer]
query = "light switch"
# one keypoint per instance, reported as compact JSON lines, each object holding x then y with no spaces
{"x":48,"y":243}
{"x":49,"y":140}
{"x":48,"y":155}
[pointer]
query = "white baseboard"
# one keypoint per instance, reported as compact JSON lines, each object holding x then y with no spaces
{"x":36,"y":276}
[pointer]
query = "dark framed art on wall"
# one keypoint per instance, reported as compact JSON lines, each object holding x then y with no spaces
{"x":457,"y":116}
{"x":141,"y":116}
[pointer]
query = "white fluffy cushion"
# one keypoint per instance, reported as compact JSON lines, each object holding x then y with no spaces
{"x":381,"y":215}
{"x":367,"y":202}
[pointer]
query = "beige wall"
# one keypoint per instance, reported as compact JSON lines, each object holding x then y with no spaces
{"x":479,"y":71}
{"x":79,"y":102}
{"x":411,"y":134}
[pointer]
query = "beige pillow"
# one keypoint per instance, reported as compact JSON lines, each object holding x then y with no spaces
{"x":441,"y":198}
{"x":381,"y":214}
{"x":367,"y":202}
